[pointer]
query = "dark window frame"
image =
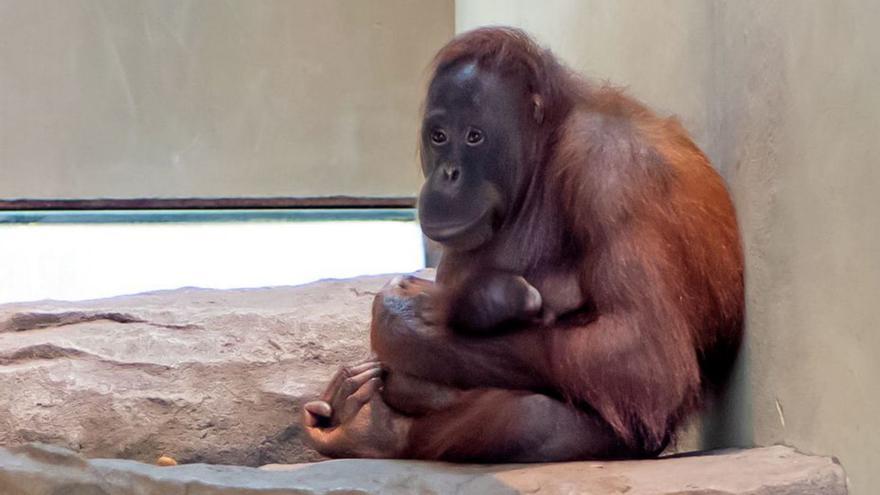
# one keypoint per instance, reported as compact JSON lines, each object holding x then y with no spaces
{"x":250,"y":203}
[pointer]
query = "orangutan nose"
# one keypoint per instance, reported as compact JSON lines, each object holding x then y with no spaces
{"x":451,"y":173}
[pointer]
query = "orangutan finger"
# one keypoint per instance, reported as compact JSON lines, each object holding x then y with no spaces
{"x":317,"y":413}
{"x":354,"y":402}
{"x":344,"y":373}
{"x":351,"y":384}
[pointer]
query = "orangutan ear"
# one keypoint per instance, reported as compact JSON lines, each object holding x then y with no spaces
{"x":538,"y":108}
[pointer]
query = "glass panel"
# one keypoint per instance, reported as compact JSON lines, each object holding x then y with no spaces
{"x":83,"y":255}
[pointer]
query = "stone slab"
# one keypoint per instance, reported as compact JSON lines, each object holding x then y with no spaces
{"x":45,"y":470}
{"x":214,"y":376}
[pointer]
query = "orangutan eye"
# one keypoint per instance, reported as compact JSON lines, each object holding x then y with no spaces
{"x":438,"y":136}
{"x":474,"y":137}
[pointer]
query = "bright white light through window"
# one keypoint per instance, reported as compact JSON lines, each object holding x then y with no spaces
{"x":85,"y":261}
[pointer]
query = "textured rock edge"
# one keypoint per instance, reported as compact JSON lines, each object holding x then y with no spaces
{"x":41,"y":469}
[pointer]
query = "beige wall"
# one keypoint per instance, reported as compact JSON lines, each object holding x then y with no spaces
{"x":785,"y":97}
{"x":182,"y":98}
{"x":617,"y":41}
{"x":797,"y":125}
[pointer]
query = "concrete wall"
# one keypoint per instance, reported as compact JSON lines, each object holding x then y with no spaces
{"x":617,"y":41}
{"x":785,"y":98}
{"x":182,"y":98}
{"x":797,"y":123}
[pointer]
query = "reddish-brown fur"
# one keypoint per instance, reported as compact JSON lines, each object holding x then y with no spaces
{"x":621,"y":203}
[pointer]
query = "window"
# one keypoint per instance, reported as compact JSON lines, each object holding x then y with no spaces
{"x":91,"y":254}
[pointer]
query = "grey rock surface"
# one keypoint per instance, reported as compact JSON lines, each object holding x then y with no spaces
{"x":44,"y":470}
{"x":213,"y":376}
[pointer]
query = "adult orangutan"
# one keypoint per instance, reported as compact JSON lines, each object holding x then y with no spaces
{"x":591,"y":283}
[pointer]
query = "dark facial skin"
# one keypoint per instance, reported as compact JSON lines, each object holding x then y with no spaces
{"x":475,"y":165}
{"x":472,"y":155}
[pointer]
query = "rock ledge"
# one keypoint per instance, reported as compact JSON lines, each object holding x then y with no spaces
{"x":202,"y":375}
{"x":39,"y":469}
